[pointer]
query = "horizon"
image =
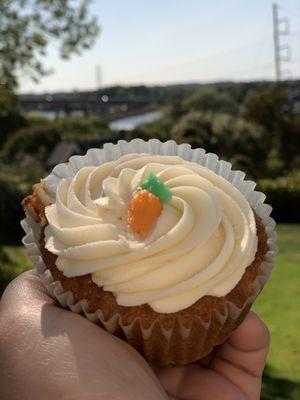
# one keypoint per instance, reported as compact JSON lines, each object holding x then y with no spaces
{"x":171,"y":84}
{"x":163,"y":44}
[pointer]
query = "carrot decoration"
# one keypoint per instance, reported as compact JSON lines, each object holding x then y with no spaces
{"x":157,"y":187}
{"x":147,"y":204}
{"x":143,"y":212}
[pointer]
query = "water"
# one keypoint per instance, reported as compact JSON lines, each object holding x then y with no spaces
{"x":50,"y":115}
{"x":122,"y":124}
{"x":130,"y":123}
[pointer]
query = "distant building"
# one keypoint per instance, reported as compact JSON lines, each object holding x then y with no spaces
{"x":64,"y":150}
{"x":294,"y":99}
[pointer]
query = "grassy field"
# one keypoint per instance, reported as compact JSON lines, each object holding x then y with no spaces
{"x":278,"y":305}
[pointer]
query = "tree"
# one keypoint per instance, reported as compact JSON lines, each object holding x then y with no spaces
{"x":242,"y":143}
{"x":209,"y":99}
{"x":195,"y":128}
{"x":10,"y":119}
{"x":159,"y":129}
{"x":268,"y":107}
{"x":27,"y":26}
{"x":37,"y":140}
{"x":272,"y":109}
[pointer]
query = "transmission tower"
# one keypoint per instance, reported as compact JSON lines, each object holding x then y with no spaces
{"x":282,"y":52}
{"x":98,"y":74}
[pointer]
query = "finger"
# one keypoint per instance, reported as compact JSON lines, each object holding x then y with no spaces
{"x":26,"y":290}
{"x":248,"y":346}
{"x":196,"y":383}
{"x":205,"y":361}
{"x":242,"y":358}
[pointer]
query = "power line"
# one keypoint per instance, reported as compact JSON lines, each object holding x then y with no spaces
{"x":254,"y":69}
{"x":212,"y":56}
{"x":98,"y":74}
{"x":282,"y":52}
{"x":289,"y":11}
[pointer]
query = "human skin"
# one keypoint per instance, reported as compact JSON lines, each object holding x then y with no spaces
{"x":48,"y":353}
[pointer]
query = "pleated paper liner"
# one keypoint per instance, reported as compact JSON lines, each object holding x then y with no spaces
{"x":181,"y":341}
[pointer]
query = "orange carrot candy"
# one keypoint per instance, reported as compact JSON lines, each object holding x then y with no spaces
{"x":143,"y":211}
{"x":147,"y":204}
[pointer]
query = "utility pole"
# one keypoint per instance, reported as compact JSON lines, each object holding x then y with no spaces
{"x":98,"y":73}
{"x":282,"y":52}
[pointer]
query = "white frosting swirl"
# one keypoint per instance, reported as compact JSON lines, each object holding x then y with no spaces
{"x":201,"y":245}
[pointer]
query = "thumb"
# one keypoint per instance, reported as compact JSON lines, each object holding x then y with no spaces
{"x":242,"y":358}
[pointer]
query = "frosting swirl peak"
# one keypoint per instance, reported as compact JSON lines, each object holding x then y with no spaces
{"x":202,"y":243}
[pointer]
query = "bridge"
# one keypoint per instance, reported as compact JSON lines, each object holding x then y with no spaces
{"x":87,"y":104}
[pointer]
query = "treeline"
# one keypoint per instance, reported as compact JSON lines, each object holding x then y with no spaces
{"x":255,"y":126}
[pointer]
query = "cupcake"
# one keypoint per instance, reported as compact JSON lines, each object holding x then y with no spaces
{"x":163,"y":246}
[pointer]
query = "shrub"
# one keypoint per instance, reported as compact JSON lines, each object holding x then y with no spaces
{"x":10,"y":119}
{"x":74,"y":128}
{"x":273,"y":109}
{"x":241,"y":142}
{"x":41,"y":136}
{"x":16,"y":180}
{"x":10,"y":211}
{"x":209,"y":99}
{"x":159,"y":129}
{"x":38,"y":140}
{"x":283,"y":194}
{"x":13,"y":261}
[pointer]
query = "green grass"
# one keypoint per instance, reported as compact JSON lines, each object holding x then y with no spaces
{"x":278,"y":305}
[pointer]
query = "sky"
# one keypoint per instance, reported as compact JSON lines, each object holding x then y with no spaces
{"x":167,"y":41}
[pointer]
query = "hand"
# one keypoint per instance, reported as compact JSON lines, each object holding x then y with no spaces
{"x":50,"y":353}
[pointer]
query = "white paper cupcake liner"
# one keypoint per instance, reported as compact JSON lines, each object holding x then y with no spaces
{"x":111,"y":152}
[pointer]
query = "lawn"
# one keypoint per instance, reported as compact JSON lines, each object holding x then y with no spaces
{"x":278,"y":305}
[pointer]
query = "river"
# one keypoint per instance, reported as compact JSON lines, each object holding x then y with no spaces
{"x":122,"y":124}
{"x":130,"y":123}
